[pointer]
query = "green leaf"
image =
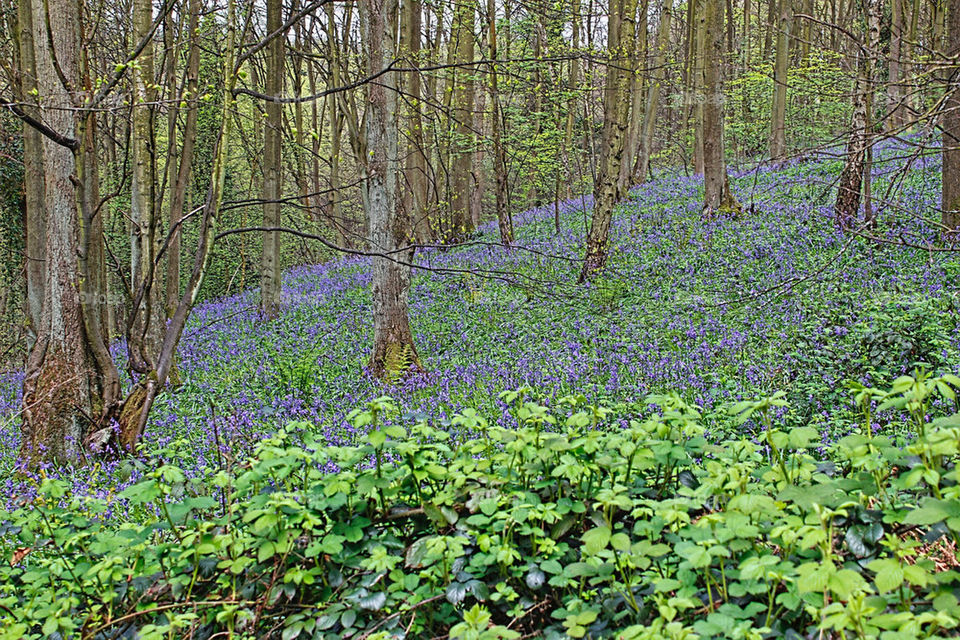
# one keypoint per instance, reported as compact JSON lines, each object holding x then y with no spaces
{"x":596,"y":539}
{"x":373,"y":601}
{"x":377,"y":438}
{"x":889,"y":574}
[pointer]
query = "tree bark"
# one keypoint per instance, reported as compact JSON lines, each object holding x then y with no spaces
{"x":895,"y":111}
{"x":415,"y":171}
{"x":616,"y":113}
{"x":462,"y":212}
{"x":778,"y":117}
{"x":135,"y":410}
{"x":184,"y":166}
{"x":504,"y":219}
{"x":950,"y":204}
{"x":850,"y":186}
{"x":33,"y":190}
{"x":145,"y":324}
{"x":272,"y":131}
{"x":394,"y":353}
{"x":642,"y":168}
{"x":716,"y":184}
{"x":638,"y":81}
{"x":62,"y":392}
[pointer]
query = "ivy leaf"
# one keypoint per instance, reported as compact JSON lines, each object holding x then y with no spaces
{"x":416,"y":553}
{"x":855,"y":541}
{"x":456,"y":592}
{"x":373,"y":601}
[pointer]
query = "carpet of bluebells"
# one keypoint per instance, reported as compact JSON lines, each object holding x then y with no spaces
{"x":717,"y":310}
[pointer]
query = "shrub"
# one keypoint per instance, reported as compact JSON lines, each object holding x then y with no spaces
{"x":581,"y":521}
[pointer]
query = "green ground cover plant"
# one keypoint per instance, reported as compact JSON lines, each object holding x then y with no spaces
{"x":578,"y":521}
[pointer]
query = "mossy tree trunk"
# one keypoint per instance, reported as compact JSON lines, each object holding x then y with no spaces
{"x":33,"y":193}
{"x":145,"y":324}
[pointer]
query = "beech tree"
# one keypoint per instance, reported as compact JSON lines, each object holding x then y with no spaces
{"x":66,"y":384}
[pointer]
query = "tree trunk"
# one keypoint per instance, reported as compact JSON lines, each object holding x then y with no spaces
{"x":415,"y":194}
{"x":393,"y":350}
{"x":61,"y":390}
{"x":133,"y":414}
{"x":850,"y":186}
{"x":698,"y":52}
{"x":716,"y":184}
{"x":638,"y":76}
{"x":145,"y":324}
{"x":33,"y":191}
{"x":184,"y":166}
{"x":616,"y":113}
{"x":462,"y":213}
{"x":950,"y":204}
{"x":778,"y":117}
{"x":895,"y":110}
{"x":504,"y":219}
{"x":642,"y":168}
{"x":272,"y":131}
{"x":336,"y":115}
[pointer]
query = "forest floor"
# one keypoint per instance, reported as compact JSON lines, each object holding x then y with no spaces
{"x":716,"y":310}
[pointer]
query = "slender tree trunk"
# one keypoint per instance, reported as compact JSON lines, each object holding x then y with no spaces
{"x":638,"y":78}
{"x":133,"y":414}
{"x":642,"y":168}
{"x":773,"y":11}
{"x":33,"y":191}
{"x":778,"y":117}
{"x":416,"y":192}
{"x":181,"y":184}
{"x":699,"y":64}
{"x":616,"y":113}
{"x":461,"y":200}
{"x":850,"y":186}
{"x":747,"y":30}
{"x":272,"y":131}
{"x":504,"y":219}
{"x":716,"y":184}
{"x":573,"y":87}
{"x":336,"y":115}
{"x":950,"y":204}
{"x":806,"y":32}
{"x":393,"y":350}
{"x":895,"y":117}
{"x":145,"y":323}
